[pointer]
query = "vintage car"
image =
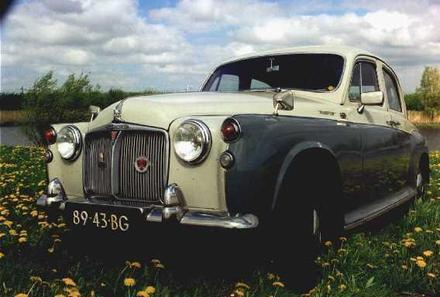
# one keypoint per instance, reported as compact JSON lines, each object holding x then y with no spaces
{"x":306,"y":141}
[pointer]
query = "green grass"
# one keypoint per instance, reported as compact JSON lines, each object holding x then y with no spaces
{"x":381,"y":263}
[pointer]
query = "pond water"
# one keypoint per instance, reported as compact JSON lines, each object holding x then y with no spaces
{"x":12,"y":135}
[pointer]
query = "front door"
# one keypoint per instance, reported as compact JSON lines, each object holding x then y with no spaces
{"x":377,"y":134}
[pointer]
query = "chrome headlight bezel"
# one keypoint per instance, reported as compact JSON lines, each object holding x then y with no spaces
{"x":205,"y":143}
{"x":76,"y":137}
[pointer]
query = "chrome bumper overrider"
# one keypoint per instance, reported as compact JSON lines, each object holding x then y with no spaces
{"x":173,"y":208}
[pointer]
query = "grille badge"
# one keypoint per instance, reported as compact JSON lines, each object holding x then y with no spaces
{"x":141,"y":164}
{"x":114,"y":135}
{"x":101,"y":160}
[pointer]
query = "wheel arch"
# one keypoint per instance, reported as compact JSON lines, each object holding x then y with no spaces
{"x":315,"y":152}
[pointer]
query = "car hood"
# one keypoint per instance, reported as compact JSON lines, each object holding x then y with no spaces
{"x":160,"y":110}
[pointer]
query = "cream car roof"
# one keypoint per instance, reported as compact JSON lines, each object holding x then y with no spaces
{"x":345,"y":51}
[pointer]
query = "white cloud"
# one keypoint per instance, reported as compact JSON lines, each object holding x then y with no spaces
{"x":176,"y":45}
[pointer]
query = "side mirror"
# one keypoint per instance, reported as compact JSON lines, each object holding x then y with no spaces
{"x":283,"y":101}
{"x":94,"y":110}
{"x":372,"y":98}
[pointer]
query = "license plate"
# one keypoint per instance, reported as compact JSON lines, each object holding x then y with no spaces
{"x":108,"y":218}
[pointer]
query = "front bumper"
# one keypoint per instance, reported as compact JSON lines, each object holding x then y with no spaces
{"x":173,"y":209}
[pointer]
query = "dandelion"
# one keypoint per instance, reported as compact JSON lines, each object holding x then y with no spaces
{"x":21,"y":295}
{"x":36,"y":279}
{"x":160,"y":266}
{"x":437,"y":242}
{"x":150,"y":290}
{"x":421,"y":263}
{"x":404,"y":267}
{"x":343,"y":239}
{"x":278,"y":284}
{"x":1,"y":255}
{"x":133,"y":264}
{"x":428,"y":253}
{"x":328,"y":243}
{"x":238,"y":293}
{"x":22,"y":239}
{"x":270,"y":276}
{"x":242,"y":285}
{"x":129,"y":282}
{"x":418,"y":229}
{"x":142,"y":294}
{"x":69,"y":282}
{"x":431,"y":275}
{"x":342,"y":287}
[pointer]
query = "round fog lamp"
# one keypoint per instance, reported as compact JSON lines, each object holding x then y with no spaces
{"x":226,"y":160}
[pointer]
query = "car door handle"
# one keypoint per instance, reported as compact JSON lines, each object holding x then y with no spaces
{"x":393,"y":123}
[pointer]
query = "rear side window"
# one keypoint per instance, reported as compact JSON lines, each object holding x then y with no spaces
{"x":392,"y":93}
{"x":364,"y":80}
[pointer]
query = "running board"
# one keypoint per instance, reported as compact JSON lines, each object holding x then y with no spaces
{"x":370,"y":212}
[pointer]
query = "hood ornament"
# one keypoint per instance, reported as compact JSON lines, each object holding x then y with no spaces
{"x":117,"y":112}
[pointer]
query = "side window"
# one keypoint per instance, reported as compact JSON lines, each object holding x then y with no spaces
{"x":228,"y":83}
{"x":214,"y":85}
{"x":392,"y":93}
{"x":364,"y":80}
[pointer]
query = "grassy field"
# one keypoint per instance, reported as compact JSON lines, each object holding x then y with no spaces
{"x":402,"y":259}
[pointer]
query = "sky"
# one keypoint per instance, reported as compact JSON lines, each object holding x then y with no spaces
{"x":171,"y":45}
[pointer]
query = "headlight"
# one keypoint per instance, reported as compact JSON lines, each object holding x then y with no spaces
{"x":69,"y":142}
{"x":192,"y":141}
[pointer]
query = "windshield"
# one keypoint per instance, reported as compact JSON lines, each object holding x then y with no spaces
{"x":310,"y":72}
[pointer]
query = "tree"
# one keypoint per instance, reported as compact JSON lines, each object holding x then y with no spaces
{"x":429,"y":90}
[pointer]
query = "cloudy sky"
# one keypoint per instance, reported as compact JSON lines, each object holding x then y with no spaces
{"x":169,"y":44}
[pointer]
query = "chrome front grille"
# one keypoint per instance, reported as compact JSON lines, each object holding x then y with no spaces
{"x":109,"y":165}
{"x":147,"y":186}
{"x":97,"y":165}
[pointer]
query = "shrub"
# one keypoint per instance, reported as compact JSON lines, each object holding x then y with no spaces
{"x":47,"y":103}
{"x":413,"y":102}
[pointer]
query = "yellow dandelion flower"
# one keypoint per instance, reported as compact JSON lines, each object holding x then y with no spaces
{"x":437,"y":242}
{"x":328,"y":243}
{"x":155,"y":261}
{"x":431,"y":275}
{"x":150,"y":290}
{"x":2,"y":234}
{"x":22,"y":239}
{"x":404,"y":267}
{"x":34,"y":213}
{"x":142,"y":294}
{"x":36,"y":279}
{"x":242,"y":285}
{"x":238,"y":292}
{"x":135,"y":265}
{"x":342,"y":287}
{"x":421,"y":263}
{"x":418,"y":258}
{"x":428,"y":253}
{"x":278,"y":284}
{"x":21,"y":295}
{"x":129,"y":282}
{"x":418,"y":229}
{"x":160,"y":266}
{"x":12,"y":232}
{"x":343,"y":239}
{"x":69,"y":282}
{"x":51,"y":250}
{"x":270,"y":276}
{"x":1,"y":255}
{"x":59,"y":295}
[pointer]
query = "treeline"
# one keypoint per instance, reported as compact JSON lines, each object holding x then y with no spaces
{"x":48,"y":102}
